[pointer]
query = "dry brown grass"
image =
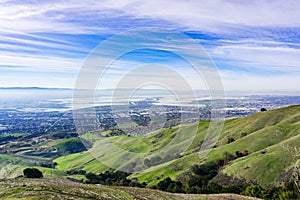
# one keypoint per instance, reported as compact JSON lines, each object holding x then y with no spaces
{"x":64,"y":189}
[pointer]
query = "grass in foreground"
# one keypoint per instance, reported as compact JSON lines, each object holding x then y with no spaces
{"x":64,"y":189}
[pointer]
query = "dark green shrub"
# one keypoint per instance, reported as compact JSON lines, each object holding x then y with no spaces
{"x":254,"y":191}
{"x":170,"y":186}
{"x":229,"y":140}
{"x":32,"y":173}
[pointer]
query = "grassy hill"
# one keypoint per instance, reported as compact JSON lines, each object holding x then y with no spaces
{"x":63,"y":189}
{"x":262,"y":148}
{"x":18,"y":151}
{"x":270,"y":138}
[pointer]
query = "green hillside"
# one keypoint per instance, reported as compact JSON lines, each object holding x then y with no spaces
{"x":269,"y":138}
{"x":261,"y":149}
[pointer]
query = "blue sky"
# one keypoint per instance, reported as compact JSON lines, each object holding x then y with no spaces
{"x":254,"y":44}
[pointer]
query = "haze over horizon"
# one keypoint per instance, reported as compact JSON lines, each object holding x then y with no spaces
{"x":44,"y":44}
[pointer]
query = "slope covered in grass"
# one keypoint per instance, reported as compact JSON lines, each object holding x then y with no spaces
{"x":266,"y":136}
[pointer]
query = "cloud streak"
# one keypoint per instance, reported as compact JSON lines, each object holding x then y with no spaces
{"x":253,"y":38}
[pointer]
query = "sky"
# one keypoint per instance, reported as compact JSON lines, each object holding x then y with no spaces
{"x":255,"y":45}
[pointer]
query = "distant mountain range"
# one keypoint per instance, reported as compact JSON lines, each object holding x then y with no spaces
{"x":32,"y":88}
{"x":198,"y":91}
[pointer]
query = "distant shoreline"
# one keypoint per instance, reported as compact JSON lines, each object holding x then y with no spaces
{"x":205,"y":92}
{"x":33,"y":88}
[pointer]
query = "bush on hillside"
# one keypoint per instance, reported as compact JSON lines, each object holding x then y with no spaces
{"x":32,"y":173}
{"x":113,"y":178}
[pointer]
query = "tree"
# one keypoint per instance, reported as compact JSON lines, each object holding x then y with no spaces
{"x":32,"y":173}
{"x":254,"y":191}
{"x":229,"y":140}
{"x":170,"y":186}
{"x":228,"y":157}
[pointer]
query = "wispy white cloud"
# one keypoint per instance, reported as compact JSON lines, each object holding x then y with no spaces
{"x":237,"y":80}
{"x":24,"y":42}
{"x":27,"y":62}
{"x":19,"y":34}
{"x":251,"y":57}
{"x":15,"y":79}
{"x":249,"y":36}
{"x":215,"y":15}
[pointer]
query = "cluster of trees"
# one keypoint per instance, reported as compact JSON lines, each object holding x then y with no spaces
{"x":230,"y":140}
{"x":199,"y":181}
{"x":204,"y":173}
{"x":76,"y":172}
{"x":48,"y":164}
{"x":115,"y":132}
{"x":287,"y":191}
{"x":113,"y":178}
{"x":227,"y":157}
{"x":4,"y":138}
{"x":169,"y":185}
{"x":200,"y":176}
{"x":32,"y":173}
{"x":263,"y":110}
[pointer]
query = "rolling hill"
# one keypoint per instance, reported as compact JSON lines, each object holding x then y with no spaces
{"x":271,"y":140}
{"x":261,"y":149}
